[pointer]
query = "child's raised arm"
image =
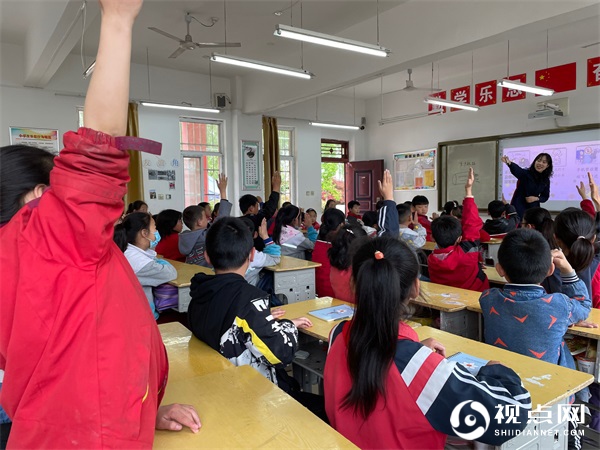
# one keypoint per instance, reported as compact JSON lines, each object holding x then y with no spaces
{"x":108,"y":94}
{"x":471,"y":222}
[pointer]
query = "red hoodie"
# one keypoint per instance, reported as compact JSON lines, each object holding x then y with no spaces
{"x":460,"y":265}
{"x":425,"y":223}
{"x":84,"y":361}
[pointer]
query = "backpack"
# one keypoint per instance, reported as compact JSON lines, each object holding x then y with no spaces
{"x":166,"y":296}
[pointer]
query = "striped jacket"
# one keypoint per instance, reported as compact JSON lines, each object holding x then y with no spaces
{"x":427,"y":398}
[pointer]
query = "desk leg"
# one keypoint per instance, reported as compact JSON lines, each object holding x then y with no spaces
{"x":295,"y":285}
{"x":462,"y":323}
{"x":184,"y":299}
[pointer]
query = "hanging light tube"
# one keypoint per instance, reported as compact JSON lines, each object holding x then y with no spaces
{"x":334,"y":125}
{"x":89,"y":70}
{"x":181,"y":107}
{"x":260,"y":65}
{"x":328,"y":40}
{"x":512,"y":84}
{"x":451,"y":104}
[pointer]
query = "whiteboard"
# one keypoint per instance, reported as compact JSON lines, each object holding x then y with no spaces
{"x":456,"y":161}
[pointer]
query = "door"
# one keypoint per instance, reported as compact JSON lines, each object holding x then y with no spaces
{"x":361,"y":183}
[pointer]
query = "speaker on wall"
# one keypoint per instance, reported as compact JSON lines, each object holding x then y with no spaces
{"x":220,"y":101}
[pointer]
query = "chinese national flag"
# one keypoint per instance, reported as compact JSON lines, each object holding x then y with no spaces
{"x":460,"y":95}
{"x":593,"y":71}
{"x":510,"y":95}
{"x":437,"y":109}
{"x":486,"y":93}
{"x":560,"y":78}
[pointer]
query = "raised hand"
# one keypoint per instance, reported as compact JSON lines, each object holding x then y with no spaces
{"x":386,"y":187}
{"x":505,"y":160}
{"x":276,"y":182}
{"x":581,"y":190}
{"x":594,"y":191}
{"x":125,"y":9}
{"x":469,"y":183}
{"x":222,"y":185}
{"x":262,"y":230}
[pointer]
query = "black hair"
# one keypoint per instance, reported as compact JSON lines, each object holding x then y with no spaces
{"x":309,"y":210}
{"x":576,"y":230}
{"x":284,"y":204}
{"x":327,"y":203}
{"x":191,"y":215}
{"x":420,"y":200}
{"x":126,"y":232}
{"x":249,"y":223}
{"x":352,"y":204}
{"x":404,"y":212}
{"x":247,"y":201}
{"x":285,"y":216}
{"x":215,"y":211}
{"x":228,"y":243}
{"x":457,"y":212}
{"x":541,"y":220}
{"x":135,"y":206}
{"x":548,"y":171}
{"x":166,"y":220}
{"x":445,"y":230}
{"x":378,"y":205}
{"x":22,"y":168}
{"x":449,"y":206}
{"x":340,"y":255}
{"x":330,"y":222}
{"x":369,"y":218}
{"x":203,"y":204}
{"x":525,"y":256}
{"x":496,"y":208}
{"x":382,"y":288}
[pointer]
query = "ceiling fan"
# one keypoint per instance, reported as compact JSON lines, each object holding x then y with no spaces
{"x":188,"y":44}
{"x":410,"y":86}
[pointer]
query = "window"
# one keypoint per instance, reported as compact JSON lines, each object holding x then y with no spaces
{"x":201,"y":149}
{"x":79,"y":116}
{"x":286,"y":165}
{"x":334,"y":157}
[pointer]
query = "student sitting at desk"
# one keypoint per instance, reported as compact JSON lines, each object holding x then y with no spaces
{"x":251,"y":207}
{"x":340,"y":260}
{"x":521,"y":317}
{"x":292,"y":241}
{"x":331,"y":221}
{"x":169,"y":224}
{"x":384,"y":388}
{"x":457,"y":261}
{"x":421,"y":205}
{"x":416,"y":236}
{"x":504,"y":218}
{"x":269,"y":256}
{"x":191,"y":242}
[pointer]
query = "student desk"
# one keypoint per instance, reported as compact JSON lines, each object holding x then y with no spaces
{"x":429,"y":246}
{"x":495,"y":279}
{"x":452,"y":303}
{"x":185,"y":273}
{"x":294,"y":279}
{"x":592,"y":333}
{"x":492,"y":248}
{"x":239,"y":408}
{"x":188,"y":356}
{"x":550,"y":386}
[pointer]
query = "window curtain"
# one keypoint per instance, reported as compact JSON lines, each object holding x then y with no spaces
{"x":135,"y":187}
{"x":271,"y":156}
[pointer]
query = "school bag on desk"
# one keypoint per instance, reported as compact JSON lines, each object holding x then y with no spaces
{"x":166,"y":297}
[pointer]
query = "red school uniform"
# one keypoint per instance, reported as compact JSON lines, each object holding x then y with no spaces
{"x":168,"y":247}
{"x":425,"y":223}
{"x":320,"y":255}
{"x":83,"y":358}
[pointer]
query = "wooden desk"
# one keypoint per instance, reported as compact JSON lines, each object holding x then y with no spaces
{"x":188,"y":356}
{"x":592,"y":333}
{"x":429,"y":246}
{"x":494,"y":277}
{"x":321,"y":328}
{"x":240,"y":408}
{"x":452,"y":303}
{"x":185,"y":273}
{"x":492,"y":247}
{"x":294,"y":279}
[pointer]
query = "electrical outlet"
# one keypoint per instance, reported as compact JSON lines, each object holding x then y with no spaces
{"x":312,"y":193}
{"x":307,"y":193}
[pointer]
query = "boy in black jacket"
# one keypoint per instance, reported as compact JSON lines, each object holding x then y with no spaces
{"x":504,"y":218}
{"x":232,"y":316}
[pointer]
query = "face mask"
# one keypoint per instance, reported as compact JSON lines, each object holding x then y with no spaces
{"x":156,"y":240}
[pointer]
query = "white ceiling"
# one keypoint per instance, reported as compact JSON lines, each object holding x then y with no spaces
{"x":252,"y":23}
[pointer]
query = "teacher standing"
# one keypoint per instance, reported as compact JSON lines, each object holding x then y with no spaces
{"x":533,"y":187}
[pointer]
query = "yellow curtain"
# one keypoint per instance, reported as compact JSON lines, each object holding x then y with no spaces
{"x":135,"y":187}
{"x":271,"y":157}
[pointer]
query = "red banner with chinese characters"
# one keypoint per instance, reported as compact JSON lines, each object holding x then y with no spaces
{"x":560,"y":78}
{"x":486,"y":93}
{"x":593,"y":71}
{"x":510,"y":95}
{"x":437,"y":109}
{"x":460,"y":95}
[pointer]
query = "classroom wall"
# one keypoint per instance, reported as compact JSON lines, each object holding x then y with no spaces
{"x":502,"y":118}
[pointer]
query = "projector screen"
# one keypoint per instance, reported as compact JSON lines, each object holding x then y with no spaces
{"x":574,"y":154}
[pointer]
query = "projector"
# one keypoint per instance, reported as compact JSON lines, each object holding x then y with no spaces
{"x":545,"y":113}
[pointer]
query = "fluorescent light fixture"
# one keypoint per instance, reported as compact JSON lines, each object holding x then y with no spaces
{"x":512,"y":84}
{"x":260,"y":65}
{"x":328,"y":40}
{"x":182,"y":107}
{"x":401,"y":118}
{"x":451,"y":104}
{"x":334,"y":125}
{"x":89,"y":70}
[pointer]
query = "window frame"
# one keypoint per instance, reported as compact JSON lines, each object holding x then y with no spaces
{"x":80,"y":122}
{"x":292,"y":160}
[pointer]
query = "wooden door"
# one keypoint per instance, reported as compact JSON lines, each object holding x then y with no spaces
{"x":361,"y":183}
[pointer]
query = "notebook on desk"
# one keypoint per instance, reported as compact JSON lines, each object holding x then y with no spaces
{"x":470,"y":362}
{"x":333,"y":313}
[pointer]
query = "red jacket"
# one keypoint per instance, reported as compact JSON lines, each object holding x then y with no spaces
{"x":168,"y":247}
{"x":460,"y":265}
{"x":340,"y":282}
{"x":322,"y":283}
{"x":425,"y":223}
{"x":84,"y":361}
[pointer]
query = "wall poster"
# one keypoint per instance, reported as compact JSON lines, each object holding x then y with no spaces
{"x":44,"y":138}
{"x":250,"y":166}
{"x":415,"y":170}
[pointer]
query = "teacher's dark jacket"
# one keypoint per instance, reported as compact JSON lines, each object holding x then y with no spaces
{"x":529,"y":184}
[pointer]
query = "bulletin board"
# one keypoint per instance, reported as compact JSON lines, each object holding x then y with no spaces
{"x":456,"y":159}
{"x":415,"y":170}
